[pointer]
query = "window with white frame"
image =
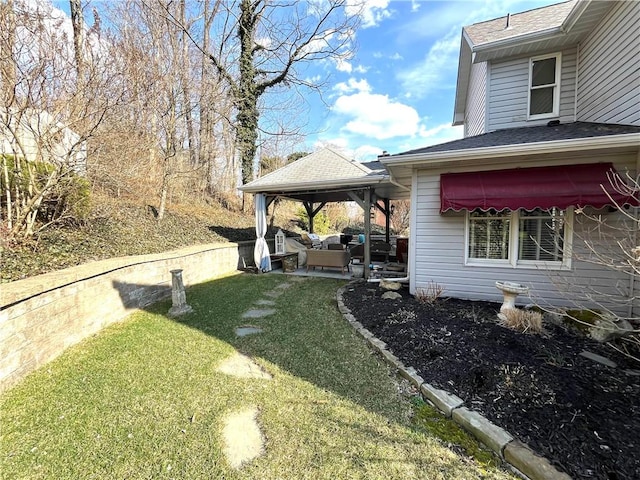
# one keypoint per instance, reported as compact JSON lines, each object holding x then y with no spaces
{"x":544,"y":86}
{"x":489,"y":235}
{"x":519,"y":238}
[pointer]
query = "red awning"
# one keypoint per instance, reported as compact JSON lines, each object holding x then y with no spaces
{"x":530,"y":188}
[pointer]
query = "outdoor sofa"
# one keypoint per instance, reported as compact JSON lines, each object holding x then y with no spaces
{"x":328,"y":258}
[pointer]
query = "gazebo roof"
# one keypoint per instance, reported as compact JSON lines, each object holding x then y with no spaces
{"x":326,"y":176}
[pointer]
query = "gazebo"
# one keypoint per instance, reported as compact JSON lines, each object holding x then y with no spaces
{"x":328,"y":176}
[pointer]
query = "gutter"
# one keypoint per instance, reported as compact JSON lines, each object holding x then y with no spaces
{"x":520,"y":40}
{"x":292,"y":187}
{"x":539,"y":148}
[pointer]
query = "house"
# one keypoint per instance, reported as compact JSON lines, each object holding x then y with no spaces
{"x":37,"y":135}
{"x":550,"y":103}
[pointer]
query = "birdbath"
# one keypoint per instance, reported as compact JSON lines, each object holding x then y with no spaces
{"x":510,"y":290}
{"x":178,"y":295}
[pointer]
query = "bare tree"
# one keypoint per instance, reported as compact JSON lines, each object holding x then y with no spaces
{"x":46,"y":121}
{"x":608,"y":240}
{"x":401,"y":215}
{"x":264,"y":45}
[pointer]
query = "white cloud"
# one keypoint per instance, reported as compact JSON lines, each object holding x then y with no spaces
{"x":363,"y":153}
{"x":343,"y":66}
{"x":435,"y":71}
{"x":353,"y":85}
{"x":376,"y":116}
{"x":372,"y":12}
{"x":339,"y":144}
{"x":367,"y":153}
{"x":432,"y":136}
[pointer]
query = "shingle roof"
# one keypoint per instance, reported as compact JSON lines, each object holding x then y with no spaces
{"x":522,"y":23}
{"x":322,"y":166}
{"x":521,"y":135}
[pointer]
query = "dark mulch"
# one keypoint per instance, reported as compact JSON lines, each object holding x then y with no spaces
{"x":581,"y":415}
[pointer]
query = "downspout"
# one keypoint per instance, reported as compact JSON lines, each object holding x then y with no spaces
{"x":389,"y":279}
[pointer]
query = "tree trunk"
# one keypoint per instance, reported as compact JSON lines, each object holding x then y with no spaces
{"x":247,"y":103}
{"x":186,"y":91}
{"x":77,"y":21}
{"x":7,"y":193}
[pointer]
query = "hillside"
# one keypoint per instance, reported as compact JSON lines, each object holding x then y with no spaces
{"x":120,"y":227}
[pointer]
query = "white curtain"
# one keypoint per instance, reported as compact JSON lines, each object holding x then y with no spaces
{"x":261,"y":250}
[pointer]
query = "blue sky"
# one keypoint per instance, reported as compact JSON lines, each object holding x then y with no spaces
{"x":397,"y":92}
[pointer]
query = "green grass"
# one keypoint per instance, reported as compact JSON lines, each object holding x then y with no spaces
{"x":143,"y":399}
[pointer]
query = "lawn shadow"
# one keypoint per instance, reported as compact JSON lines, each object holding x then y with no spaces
{"x":306,"y":336}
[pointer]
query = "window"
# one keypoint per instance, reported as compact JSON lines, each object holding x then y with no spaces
{"x":541,"y":235}
{"x":520,"y":238}
{"x":489,"y":235}
{"x":544,"y":86}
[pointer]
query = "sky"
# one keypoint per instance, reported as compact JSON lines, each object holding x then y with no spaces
{"x":397,"y":92}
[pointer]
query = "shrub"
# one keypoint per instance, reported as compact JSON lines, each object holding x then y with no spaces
{"x":430,"y":293}
{"x":321,"y":222}
{"x":524,"y":321}
{"x":68,"y":199}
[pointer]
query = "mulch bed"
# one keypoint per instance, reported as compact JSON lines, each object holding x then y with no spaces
{"x":584,"y":417}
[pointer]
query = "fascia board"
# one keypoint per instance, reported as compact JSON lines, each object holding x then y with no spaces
{"x":539,"y":148}
{"x":483,"y":52}
{"x":462,"y":81}
{"x":328,"y":184}
{"x":574,"y":15}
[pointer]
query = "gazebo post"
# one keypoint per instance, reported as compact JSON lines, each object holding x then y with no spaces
{"x":311,"y":212}
{"x":387,"y":219}
{"x":367,"y":232}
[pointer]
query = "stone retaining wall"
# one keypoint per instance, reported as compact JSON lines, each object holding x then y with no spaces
{"x":41,"y":316}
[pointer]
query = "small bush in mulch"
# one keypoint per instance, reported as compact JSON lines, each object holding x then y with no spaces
{"x":581,"y":415}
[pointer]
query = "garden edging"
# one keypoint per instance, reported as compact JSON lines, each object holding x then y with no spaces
{"x":524,"y":460}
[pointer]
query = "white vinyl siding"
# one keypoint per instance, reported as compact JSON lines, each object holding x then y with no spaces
{"x":609,"y":70}
{"x":476,"y":112}
{"x":509,"y":92}
{"x":438,"y":249}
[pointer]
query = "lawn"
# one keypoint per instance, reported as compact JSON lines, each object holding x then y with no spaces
{"x":143,"y":399}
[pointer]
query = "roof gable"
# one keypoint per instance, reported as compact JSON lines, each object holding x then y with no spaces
{"x":519,"y":24}
{"x":325,"y":165}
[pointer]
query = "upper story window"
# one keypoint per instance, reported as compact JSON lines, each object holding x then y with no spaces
{"x":544,"y":86}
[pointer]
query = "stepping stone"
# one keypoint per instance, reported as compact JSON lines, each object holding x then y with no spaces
{"x":241,"y":366}
{"x":243,"y":440}
{"x":265,"y":303}
{"x":273,"y":293}
{"x":391,"y":295}
{"x":284,"y":286}
{"x":258,"y":313}
{"x":598,"y":358}
{"x":245,"y":330}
